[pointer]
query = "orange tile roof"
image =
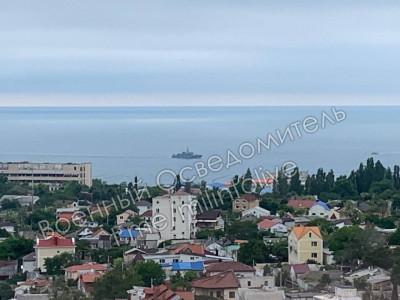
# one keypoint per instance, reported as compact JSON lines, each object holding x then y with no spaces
{"x":87,"y":267}
{"x":89,"y":278}
{"x":241,"y":241}
{"x":194,"y":248}
{"x":266,"y":224}
{"x":300,"y":231}
{"x":55,"y":233}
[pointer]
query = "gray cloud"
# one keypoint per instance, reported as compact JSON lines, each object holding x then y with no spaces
{"x":199,"y":48}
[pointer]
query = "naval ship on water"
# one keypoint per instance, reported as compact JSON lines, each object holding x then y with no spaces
{"x":186,"y":155}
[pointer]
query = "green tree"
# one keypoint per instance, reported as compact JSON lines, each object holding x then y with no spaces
{"x":177,"y":280}
{"x":6,"y":292}
{"x":15,"y":248}
{"x":295,"y":183}
{"x":252,"y":252}
{"x":324,"y":226}
{"x":56,"y":265}
{"x":114,"y":283}
{"x":150,"y":273}
{"x":10,"y":204}
{"x":348,"y":244}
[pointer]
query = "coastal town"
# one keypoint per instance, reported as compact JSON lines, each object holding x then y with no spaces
{"x":66,"y":235}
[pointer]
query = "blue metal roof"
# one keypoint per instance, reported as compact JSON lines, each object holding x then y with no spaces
{"x":125,"y":233}
{"x":193,"y":266}
{"x":323,"y":204}
{"x":266,"y":191}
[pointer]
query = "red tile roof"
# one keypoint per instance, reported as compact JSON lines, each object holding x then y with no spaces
{"x":266,"y":224}
{"x":87,"y":267}
{"x":192,"y":248}
{"x":224,"y":280}
{"x":235,"y":266}
{"x":300,"y":203}
{"x":147,"y":213}
{"x":163,"y":292}
{"x":55,"y":242}
{"x":89,"y":278}
{"x":300,"y":268}
{"x":65,"y":216}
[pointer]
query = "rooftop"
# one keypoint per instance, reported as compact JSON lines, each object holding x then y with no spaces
{"x":55,"y":242}
{"x":300,"y":231}
{"x":87,"y":267}
{"x":224,"y":280}
{"x":234,"y":266}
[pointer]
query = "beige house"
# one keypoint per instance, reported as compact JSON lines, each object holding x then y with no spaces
{"x":224,"y":285}
{"x":50,"y":247}
{"x":245,"y":202}
{"x":73,"y":272}
{"x":124,"y":217}
{"x":305,"y":243}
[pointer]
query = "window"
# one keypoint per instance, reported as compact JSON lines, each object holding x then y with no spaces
{"x":309,"y":234}
{"x":175,"y":260}
{"x":231,"y":294}
{"x":121,"y":217}
{"x":173,"y":202}
{"x":314,"y":244}
{"x":173,"y":227}
{"x":162,"y":261}
{"x":248,"y":283}
{"x":237,"y":206}
{"x":219,"y":294}
{"x":174,"y":210}
{"x":211,"y":294}
{"x":266,"y":283}
{"x":314,"y":255}
{"x":191,"y":258}
{"x":157,"y":210}
{"x":174,"y":219}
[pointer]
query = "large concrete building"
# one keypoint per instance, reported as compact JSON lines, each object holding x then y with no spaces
{"x":174,"y":216}
{"x":51,"y":174}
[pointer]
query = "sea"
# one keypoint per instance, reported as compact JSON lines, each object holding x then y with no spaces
{"x":124,"y":142}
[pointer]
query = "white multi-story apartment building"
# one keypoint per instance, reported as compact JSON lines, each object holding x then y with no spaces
{"x":51,"y":174}
{"x":174,"y":216}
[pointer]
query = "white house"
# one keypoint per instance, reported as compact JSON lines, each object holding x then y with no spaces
{"x":29,"y":262}
{"x":183,"y":257}
{"x":319,"y":209}
{"x":143,"y":206}
{"x":273,"y":227}
{"x":257,"y":211}
{"x":8,"y":226}
{"x":174,"y":216}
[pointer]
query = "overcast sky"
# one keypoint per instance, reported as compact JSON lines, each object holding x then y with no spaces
{"x":98,"y":52}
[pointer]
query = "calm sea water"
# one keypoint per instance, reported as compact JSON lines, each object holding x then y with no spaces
{"x":123,"y":142}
